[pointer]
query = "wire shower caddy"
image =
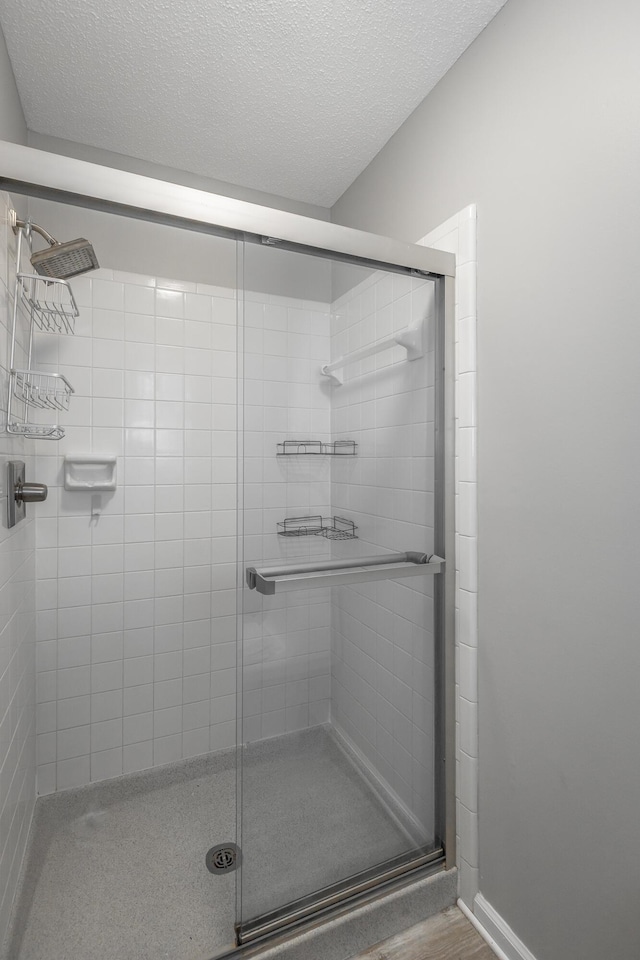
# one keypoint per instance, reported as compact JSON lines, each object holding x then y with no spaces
{"x":51,"y":308}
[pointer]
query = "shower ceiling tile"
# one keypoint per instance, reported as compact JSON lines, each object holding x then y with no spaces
{"x":220,"y":88}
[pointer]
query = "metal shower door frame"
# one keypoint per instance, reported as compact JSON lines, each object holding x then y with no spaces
{"x":35,"y":173}
{"x":420,"y":862}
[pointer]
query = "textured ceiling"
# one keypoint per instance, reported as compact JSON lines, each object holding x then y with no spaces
{"x":293,"y":97}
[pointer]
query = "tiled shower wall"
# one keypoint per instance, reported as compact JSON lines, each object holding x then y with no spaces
{"x":136,"y":598}
{"x":382,"y":665}
{"x":17,"y":618}
{"x":286,"y":671}
{"x":136,"y":589}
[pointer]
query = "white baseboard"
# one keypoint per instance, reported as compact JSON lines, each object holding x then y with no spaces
{"x":495,"y":930}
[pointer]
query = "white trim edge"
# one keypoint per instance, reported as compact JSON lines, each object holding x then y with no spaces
{"x":458,"y":235}
{"x":481,"y":930}
{"x":496,"y":931}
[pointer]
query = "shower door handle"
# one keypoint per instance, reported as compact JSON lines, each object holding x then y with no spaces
{"x":338,"y":573}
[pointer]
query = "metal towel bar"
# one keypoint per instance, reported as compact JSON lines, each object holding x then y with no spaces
{"x":337,"y":573}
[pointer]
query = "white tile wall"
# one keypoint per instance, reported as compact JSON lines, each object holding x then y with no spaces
{"x":136,"y":589}
{"x":458,"y":236}
{"x":17,"y":618}
{"x":382,"y":670}
{"x":286,"y":668}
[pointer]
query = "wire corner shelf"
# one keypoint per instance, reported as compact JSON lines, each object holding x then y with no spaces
{"x":317,"y":448}
{"x":332,"y":528}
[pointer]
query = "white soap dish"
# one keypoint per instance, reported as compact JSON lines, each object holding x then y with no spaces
{"x":90,"y":472}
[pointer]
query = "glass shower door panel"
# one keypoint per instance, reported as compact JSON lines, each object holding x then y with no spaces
{"x":337,"y":716}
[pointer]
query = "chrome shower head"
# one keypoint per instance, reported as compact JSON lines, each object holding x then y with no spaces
{"x":60,"y":260}
{"x":65,"y":260}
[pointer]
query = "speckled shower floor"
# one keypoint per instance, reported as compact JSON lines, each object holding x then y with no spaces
{"x":116,"y":870}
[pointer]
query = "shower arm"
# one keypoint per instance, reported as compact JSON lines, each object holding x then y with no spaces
{"x":27,"y":225}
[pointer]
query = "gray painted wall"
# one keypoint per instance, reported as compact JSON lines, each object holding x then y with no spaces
{"x":140,"y":247}
{"x":161,"y":251}
{"x":12,"y":123}
{"x":136,"y":246}
{"x":107,"y":158}
{"x":538,"y":124}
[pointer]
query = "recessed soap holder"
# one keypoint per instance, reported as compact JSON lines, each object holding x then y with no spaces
{"x":89,"y":473}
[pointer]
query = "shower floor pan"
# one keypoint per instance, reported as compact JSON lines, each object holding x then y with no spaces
{"x":116,"y":870}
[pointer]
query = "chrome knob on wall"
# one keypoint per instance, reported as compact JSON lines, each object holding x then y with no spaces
{"x":30,"y":492}
{"x":21,"y":492}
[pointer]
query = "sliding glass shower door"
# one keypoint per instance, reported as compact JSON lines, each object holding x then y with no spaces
{"x":341,"y":535}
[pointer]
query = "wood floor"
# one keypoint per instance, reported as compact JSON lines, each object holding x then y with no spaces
{"x":447,"y":936}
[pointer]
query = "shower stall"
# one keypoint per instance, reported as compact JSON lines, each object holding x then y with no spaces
{"x":244,"y":642}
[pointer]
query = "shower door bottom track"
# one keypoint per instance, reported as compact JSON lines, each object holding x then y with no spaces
{"x":361,"y":887}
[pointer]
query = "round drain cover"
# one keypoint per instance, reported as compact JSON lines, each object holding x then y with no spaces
{"x":223,"y":858}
